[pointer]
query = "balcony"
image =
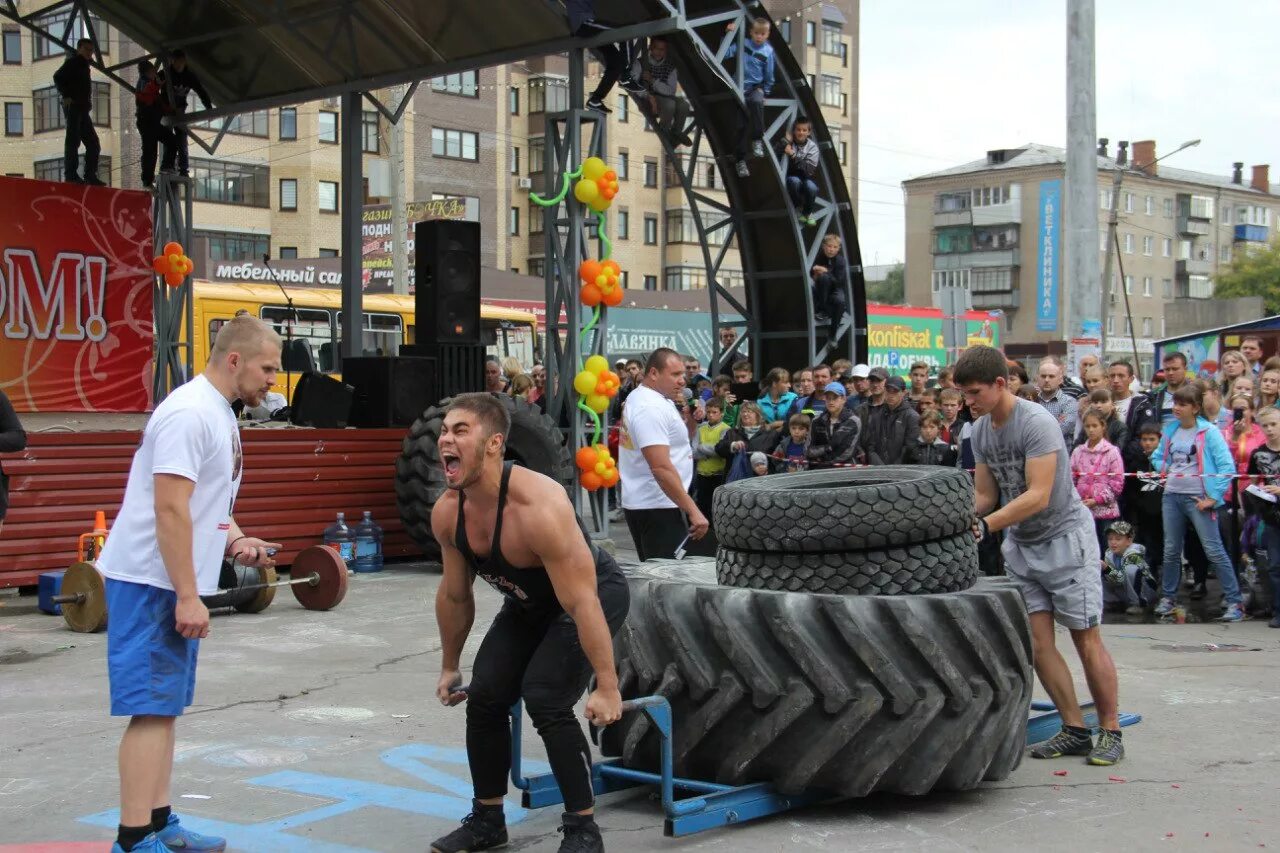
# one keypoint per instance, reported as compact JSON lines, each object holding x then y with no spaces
{"x":1193,"y":267}
{"x":996,"y":299}
{"x":1190,"y":226}
{"x":998,"y":214}
{"x":1250,"y":234}
{"x":951,"y":218}
{"x":978,"y":260}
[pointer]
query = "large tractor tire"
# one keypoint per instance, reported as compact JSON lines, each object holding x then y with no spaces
{"x":944,"y":565}
{"x":844,"y":509}
{"x":844,"y":695}
{"x":535,"y":442}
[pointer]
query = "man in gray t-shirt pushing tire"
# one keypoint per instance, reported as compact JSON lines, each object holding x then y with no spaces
{"x":1050,"y":551}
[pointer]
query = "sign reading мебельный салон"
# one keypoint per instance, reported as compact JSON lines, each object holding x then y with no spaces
{"x":76,"y":329}
{"x":1048,"y":242}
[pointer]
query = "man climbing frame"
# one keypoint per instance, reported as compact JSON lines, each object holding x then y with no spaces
{"x":1050,"y":552}
{"x":564,"y":599}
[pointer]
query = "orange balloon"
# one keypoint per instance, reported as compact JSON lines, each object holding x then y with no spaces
{"x":585,"y":458}
{"x":590,"y":295}
{"x":610,"y":176}
{"x":160,"y":264}
{"x":588,"y":270}
{"x":614,"y":297}
{"x":174,"y":279}
{"x":611,"y":266}
{"x":591,"y":481}
{"x":610,"y":478}
{"x":172,"y":248}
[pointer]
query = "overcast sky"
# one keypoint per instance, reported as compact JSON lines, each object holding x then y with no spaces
{"x":944,"y":81}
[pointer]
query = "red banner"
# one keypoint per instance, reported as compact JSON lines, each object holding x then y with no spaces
{"x":75,"y":297}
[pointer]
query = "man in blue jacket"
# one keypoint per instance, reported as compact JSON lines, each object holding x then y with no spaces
{"x":757,"y":82}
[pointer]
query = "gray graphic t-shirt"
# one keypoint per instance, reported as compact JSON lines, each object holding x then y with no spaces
{"x":1030,"y":432}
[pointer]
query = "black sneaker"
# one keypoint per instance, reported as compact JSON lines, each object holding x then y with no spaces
{"x":1108,"y":751}
{"x":73,"y":179}
{"x":485,"y":828}
{"x":631,"y":85}
{"x":1198,"y":591}
{"x":597,"y":105}
{"x":1065,"y":742}
{"x":581,"y":834}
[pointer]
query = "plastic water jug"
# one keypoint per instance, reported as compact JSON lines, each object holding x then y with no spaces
{"x":340,"y":538}
{"x":368,"y":545}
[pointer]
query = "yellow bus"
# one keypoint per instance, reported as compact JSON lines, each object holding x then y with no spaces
{"x":388,"y":323}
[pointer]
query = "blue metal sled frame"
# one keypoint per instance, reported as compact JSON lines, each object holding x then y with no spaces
{"x":712,"y":804}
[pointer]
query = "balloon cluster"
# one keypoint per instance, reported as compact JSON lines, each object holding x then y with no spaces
{"x":596,"y":468}
{"x":597,"y":186}
{"x":173,"y":264}
{"x":597,"y":383}
{"x":601,"y":283}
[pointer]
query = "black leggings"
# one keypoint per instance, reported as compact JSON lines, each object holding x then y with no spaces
{"x":538,"y":659}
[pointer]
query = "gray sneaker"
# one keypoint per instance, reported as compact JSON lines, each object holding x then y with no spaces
{"x":1108,"y":750}
{"x":1165,"y":607}
{"x":742,"y":169}
{"x":757,"y":149}
{"x":1065,"y":742}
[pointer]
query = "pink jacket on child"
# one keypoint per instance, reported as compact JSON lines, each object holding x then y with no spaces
{"x":1098,"y":473}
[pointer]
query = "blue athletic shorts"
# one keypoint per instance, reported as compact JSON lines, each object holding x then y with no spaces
{"x":152,"y":667}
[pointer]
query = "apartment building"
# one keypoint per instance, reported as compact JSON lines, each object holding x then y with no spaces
{"x":994,"y":226}
{"x":273,"y":183}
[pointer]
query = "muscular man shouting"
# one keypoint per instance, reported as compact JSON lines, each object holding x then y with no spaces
{"x":564,"y":599}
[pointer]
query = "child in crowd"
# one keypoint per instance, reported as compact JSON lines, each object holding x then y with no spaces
{"x":1098,"y":472}
{"x":1127,"y":579}
{"x":757,"y":82}
{"x":702,"y":389}
{"x":759,"y":464}
{"x":1100,"y":399}
{"x":1191,"y":456}
{"x":1264,"y":465}
{"x":951,"y":404}
{"x":721,"y":390}
{"x":945,"y":381}
{"x":521,"y":385}
{"x":829,"y":273}
{"x":1214,"y":412}
{"x":802,"y":162}
{"x":793,"y":448}
{"x":1029,"y":392}
{"x":1142,"y":500}
{"x":1268,"y":389}
{"x":931,"y":448}
{"x":1242,"y":386}
{"x":709,"y":466}
{"x":841,"y":366}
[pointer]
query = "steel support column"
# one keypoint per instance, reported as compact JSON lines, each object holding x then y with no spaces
{"x":351,"y":204}
{"x":173,"y":306}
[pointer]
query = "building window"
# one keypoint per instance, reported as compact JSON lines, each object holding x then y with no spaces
{"x":650,"y":172}
{"x":13,"y":118}
{"x":1128,"y":202}
{"x":1111,"y":324}
{"x":538,"y":267}
{"x":624,"y":165}
{"x":650,"y":230}
{"x":47,"y":104}
{"x":681,"y":227}
{"x":369,"y":138}
{"x":548,"y":95}
{"x":328,"y":253}
{"x":1128,"y":244}
{"x":1168,"y":208}
{"x":1128,"y":326}
{"x":1166,"y":288}
{"x":513,"y":100}
{"x":1224,"y":253}
{"x":784,"y":29}
{"x":288,"y":253}
{"x":624,"y":108}
{"x":328,"y":126}
{"x":829,"y":90}
{"x":222,"y":182}
{"x":465,"y":84}
{"x":1148,"y":245}
{"x":1102,"y":240}
{"x":1104,"y":199}
{"x":230,"y":246}
{"x":513,"y":222}
{"x":1166,"y":247}
{"x":1149,"y":205}
{"x":515,"y":159}
{"x":622,"y":224}
{"x":1146,"y":285}
{"x":328,"y":194}
{"x":685,"y":278}
{"x":536,"y":219}
{"x":289,"y":123}
{"x":288,"y":193}
{"x":244,"y":124}
{"x":844,"y":153}
{"x":1128,"y":285}
{"x":651,"y":282}
{"x":810,"y":33}
{"x":1146,"y":327}
{"x":56,"y":23}
{"x":537,"y":154}
{"x":831,"y":44}
{"x":12,"y":47}
{"x":51,"y":170}
{"x":455,"y":144}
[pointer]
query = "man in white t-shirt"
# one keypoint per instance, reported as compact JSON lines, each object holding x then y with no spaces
{"x":655,"y":460}
{"x":165,"y":551}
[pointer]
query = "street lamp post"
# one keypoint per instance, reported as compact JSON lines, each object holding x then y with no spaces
{"x":1113,"y":244}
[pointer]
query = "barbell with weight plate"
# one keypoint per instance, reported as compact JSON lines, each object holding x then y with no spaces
{"x":319,"y":582}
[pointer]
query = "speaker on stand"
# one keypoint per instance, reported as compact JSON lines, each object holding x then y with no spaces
{"x":447,"y":302}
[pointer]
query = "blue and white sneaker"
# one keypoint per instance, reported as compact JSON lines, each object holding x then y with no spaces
{"x":1165,"y":607}
{"x":177,"y":837}
{"x":150,"y":844}
{"x":1233,"y":613}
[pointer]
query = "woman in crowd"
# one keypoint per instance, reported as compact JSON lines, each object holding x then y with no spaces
{"x":520,"y":387}
{"x":777,"y":399}
{"x":750,"y":434}
{"x":511,"y":368}
{"x":1017,"y":376}
{"x":1094,"y":379}
{"x":1233,"y":366}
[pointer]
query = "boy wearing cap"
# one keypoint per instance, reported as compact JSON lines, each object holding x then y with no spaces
{"x":833,"y":435}
{"x":1127,"y":580}
{"x":759,"y":464}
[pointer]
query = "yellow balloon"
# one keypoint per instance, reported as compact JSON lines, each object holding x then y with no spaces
{"x":586,"y":192}
{"x":597,"y":364}
{"x":593,"y":168}
{"x":597,"y":403}
{"x":599,"y":204}
{"x":602,"y":281}
{"x":600,"y":468}
{"x":585,"y":383}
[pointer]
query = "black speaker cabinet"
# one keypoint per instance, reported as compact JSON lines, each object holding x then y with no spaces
{"x":320,"y":401}
{"x":390,"y":390}
{"x":447,"y":292}
{"x":461,"y":368}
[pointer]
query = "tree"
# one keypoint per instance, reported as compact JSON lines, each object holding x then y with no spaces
{"x":1253,"y":272}
{"x":891,"y":290}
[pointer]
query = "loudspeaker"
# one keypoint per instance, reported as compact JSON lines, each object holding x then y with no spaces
{"x":447,"y":289}
{"x":390,"y":390}
{"x":320,"y":401}
{"x":461,"y":368}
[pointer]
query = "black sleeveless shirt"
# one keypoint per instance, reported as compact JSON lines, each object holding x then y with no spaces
{"x":530,"y":587}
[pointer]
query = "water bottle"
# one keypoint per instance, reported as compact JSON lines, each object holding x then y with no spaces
{"x":368,"y":545}
{"x":339,"y":537}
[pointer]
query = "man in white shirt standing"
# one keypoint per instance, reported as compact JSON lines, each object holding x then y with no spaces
{"x":655,"y":460}
{"x":164,"y":552}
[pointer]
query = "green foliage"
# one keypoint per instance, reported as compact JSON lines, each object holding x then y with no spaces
{"x":891,"y":290}
{"x":1252,"y":272}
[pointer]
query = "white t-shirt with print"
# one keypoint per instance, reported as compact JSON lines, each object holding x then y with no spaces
{"x":192,"y":434}
{"x":649,"y":419}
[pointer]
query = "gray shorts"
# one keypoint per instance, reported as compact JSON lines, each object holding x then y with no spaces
{"x":1062,"y":576}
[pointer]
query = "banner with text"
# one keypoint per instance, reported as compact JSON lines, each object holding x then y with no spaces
{"x":899,"y":336}
{"x":1048,"y":243}
{"x":376,"y":230}
{"x":76,"y":327}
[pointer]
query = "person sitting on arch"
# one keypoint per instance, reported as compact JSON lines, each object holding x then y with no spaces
{"x":657,"y":74}
{"x":802,"y":165}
